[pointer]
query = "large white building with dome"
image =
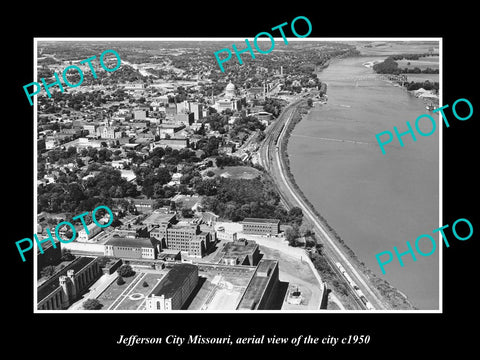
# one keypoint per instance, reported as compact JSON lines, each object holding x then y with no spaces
{"x":229,"y":100}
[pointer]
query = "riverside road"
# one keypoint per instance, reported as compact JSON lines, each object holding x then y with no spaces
{"x":269,"y":155}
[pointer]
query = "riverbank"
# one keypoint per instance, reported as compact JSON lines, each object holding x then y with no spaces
{"x":392,"y":296}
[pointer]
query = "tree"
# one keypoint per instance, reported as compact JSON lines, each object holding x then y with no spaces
{"x":47,"y":271}
{"x":120,"y":281}
{"x":125,"y":271}
{"x":309,"y":102}
{"x":187,"y":213}
{"x":145,"y":284}
{"x":103,"y":261}
{"x":92,"y":304}
{"x":67,"y":255}
{"x":306,"y":229}
{"x":292,"y":234}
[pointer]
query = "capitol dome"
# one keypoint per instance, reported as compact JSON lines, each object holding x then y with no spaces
{"x":230,"y":90}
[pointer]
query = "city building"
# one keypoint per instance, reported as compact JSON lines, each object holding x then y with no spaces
{"x":229,"y":100}
{"x":258,"y":226}
{"x":132,"y":231}
{"x":171,"y":110}
{"x":183,"y":107}
{"x":188,"y":238}
{"x":51,"y":143}
{"x":160,"y":220}
{"x":260,"y":292}
{"x":174,"y":143}
{"x":224,"y":104}
{"x":93,"y":230}
{"x":65,"y":286}
{"x":134,"y":87}
{"x":132,"y":248}
{"x":107,"y":132}
{"x":143,"y":205}
{"x":209,"y":217}
{"x":197,"y":110}
{"x":184,"y":118}
{"x":174,"y":289}
{"x":91,"y":128}
{"x":140,"y":114}
{"x":169,"y":130}
{"x":82,"y":143}
{"x":225,"y":235}
{"x":241,"y":252}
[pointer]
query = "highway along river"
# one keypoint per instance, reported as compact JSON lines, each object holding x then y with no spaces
{"x":373,"y":201}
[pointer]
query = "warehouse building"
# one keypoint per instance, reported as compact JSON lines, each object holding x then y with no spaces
{"x":174,"y":289}
{"x":258,"y":226}
{"x":132,"y":248}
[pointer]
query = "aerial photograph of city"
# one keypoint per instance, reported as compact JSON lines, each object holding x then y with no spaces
{"x":190,"y":175}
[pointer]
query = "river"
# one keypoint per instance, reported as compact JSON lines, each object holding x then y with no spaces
{"x":373,"y":201}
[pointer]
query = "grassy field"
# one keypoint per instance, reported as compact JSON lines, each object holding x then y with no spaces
{"x":423,"y":77}
{"x":152,"y":279}
{"x":112,"y":292}
{"x":396,"y":47}
{"x":422,"y":63}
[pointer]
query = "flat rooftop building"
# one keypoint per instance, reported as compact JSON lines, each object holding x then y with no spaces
{"x":159,"y":219}
{"x":259,"y":226}
{"x":258,"y":294}
{"x":241,"y":252}
{"x":174,"y":289}
{"x":132,"y":248}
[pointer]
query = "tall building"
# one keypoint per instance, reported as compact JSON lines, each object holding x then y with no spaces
{"x":185,"y":118}
{"x":260,"y":293}
{"x":197,"y":110}
{"x":183,"y":107}
{"x":174,"y":289}
{"x":188,"y":238}
{"x":230,"y":91}
{"x":229,"y":101}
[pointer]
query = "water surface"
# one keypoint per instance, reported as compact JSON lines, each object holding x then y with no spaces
{"x":373,"y":201}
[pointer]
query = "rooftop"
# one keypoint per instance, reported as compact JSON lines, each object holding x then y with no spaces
{"x":52,"y":283}
{"x":256,"y":288}
{"x":130,"y":242}
{"x":260,"y":221}
{"x":239,"y":247}
{"x":158,"y":217}
{"x":173,"y":280}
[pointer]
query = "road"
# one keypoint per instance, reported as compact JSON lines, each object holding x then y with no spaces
{"x":269,"y":157}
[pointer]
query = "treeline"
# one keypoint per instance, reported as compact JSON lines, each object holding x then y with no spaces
{"x":236,"y":199}
{"x":326,"y":272}
{"x":417,"y":70}
{"x":390,"y":66}
{"x":427,"y":85}
{"x":411,"y":56}
{"x":70,"y":195}
{"x":273,"y":106}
